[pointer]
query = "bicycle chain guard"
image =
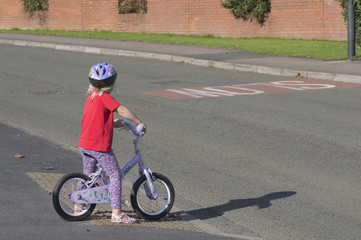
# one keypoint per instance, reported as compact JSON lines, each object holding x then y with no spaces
{"x":92,"y":195}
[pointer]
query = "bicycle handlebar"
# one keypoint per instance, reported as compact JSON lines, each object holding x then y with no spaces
{"x":136,"y":133}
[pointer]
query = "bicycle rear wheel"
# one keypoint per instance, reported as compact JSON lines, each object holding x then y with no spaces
{"x":62,"y":197}
{"x":153,"y":209}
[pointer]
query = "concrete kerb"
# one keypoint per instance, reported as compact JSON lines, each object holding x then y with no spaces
{"x":62,"y":47}
{"x":125,"y":53}
{"x":6,"y":41}
{"x":80,"y":49}
{"x":34,"y":44}
{"x":162,"y":57}
{"x":19,"y":43}
{"x":48,"y":45}
{"x":108,"y":51}
{"x":187,"y":60}
{"x":93,"y":50}
{"x":347,"y":78}
{"x":181,"y":59}
{"x":269,"y":70}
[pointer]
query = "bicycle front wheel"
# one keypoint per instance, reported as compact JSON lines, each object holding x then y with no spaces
{"x":149,"y":208}
{"x":62,"y":202}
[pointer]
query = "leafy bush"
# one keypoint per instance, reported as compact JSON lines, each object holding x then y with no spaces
{"x":31,"y":6}
{"x":133,"y":6}
{"x":249,"y":9}
{"x":357,"y":5}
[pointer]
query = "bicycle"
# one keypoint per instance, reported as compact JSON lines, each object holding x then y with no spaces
{"x":152,"y":194}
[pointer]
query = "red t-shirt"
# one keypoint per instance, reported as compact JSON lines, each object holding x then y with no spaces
{"x":97,"y":123}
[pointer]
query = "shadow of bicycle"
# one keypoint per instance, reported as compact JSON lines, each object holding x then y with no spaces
{"x":204,"y":213}
{"x":261,"y":203}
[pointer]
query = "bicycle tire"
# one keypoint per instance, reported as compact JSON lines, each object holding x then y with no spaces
{"x":153,"y":209}
{"x":62,"y":201}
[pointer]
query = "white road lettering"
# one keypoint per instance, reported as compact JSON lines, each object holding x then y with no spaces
{"x":249,"y":89}
{"x":300,"y":85}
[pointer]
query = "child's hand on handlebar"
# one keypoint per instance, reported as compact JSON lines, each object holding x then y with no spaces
{"x":141,"y":128}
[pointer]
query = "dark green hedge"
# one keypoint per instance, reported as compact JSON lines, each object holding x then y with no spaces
{"x":249,"y":9}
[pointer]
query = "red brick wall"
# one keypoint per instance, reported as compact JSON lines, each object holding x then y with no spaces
{"x":100,"y":14}
{"x":308,"y":19}
{"x":319,"y":19}
{"x":12,"y":15}
{"x":63,"y":15}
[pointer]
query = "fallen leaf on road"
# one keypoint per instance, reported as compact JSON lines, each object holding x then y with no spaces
{"x":18,"y":155}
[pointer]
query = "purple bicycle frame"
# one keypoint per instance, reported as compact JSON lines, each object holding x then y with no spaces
{"x":100,"y":194}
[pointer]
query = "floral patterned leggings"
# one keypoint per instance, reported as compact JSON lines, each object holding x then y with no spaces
{"x":109,"y":163}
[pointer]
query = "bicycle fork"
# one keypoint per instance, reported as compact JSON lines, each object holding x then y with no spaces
{"x":149,"y":187}
{"x":150,"y":190}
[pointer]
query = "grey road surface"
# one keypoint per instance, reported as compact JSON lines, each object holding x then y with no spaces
{"x":277,"y":166}
{"x":26,"y":209}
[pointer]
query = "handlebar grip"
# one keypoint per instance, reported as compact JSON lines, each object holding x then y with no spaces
{"x":140,"y":129}
{"x":131,"y":128}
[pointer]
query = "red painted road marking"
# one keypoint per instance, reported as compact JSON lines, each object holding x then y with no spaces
{"x":249,"y":89}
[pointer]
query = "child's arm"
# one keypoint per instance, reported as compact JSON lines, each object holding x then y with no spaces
{"x":126,"y":113}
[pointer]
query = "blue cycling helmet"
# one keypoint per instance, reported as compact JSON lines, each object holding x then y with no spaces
{"x":102,"y":75}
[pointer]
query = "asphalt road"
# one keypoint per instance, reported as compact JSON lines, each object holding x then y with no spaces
{"x":26,"y":209}
{"x":276,"y":166}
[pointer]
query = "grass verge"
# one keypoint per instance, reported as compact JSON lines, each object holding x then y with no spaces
{"x":317,"y":49}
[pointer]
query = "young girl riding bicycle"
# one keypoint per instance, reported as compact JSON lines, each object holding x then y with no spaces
{"x":97,"y":134}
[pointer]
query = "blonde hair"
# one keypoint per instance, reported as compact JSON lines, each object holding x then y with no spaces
{"x":98,"y":90}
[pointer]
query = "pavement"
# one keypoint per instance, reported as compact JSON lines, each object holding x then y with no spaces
{"x":229,"y":59}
